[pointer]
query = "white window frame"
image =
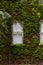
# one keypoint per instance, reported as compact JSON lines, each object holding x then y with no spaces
{"x":17,"y":34}
{"x":41,"y":32}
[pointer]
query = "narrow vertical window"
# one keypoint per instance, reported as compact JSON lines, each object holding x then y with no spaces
{"x":17,"y":33}
{"x":41,"y":32}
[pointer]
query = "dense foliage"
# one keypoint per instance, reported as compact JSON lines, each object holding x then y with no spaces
{"x":29,"y":14}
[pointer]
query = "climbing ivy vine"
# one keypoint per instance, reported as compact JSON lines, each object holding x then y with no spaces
{"x":29,"y":13}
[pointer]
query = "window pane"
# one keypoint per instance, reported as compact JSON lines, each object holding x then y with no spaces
{"x":14,"y":39}
{"x":41,"y":37}
{"x":19,"y":39}
{"x":41,"y":29}
{"x":17,"y":27}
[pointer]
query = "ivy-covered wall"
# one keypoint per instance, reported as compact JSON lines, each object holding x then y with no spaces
{"x":29,"y":14}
